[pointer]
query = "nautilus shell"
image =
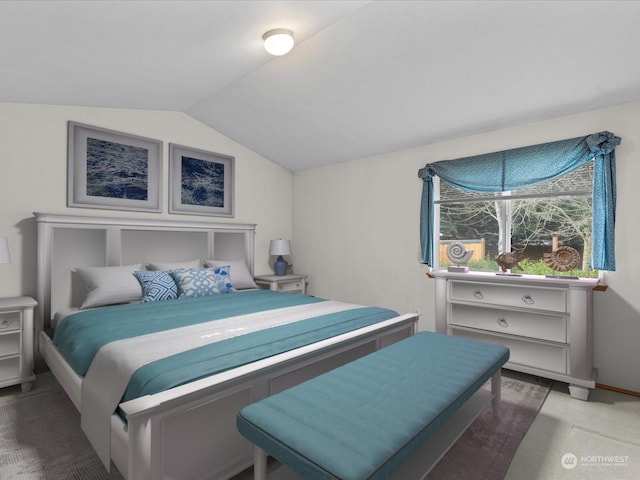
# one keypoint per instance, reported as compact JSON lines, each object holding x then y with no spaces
{"x":509,"y":260}
{"x":562,"y":259}
{"x":457,"y":253}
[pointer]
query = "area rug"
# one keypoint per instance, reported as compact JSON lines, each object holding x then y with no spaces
{"x":40,"y":435}
{"x":485,"y":450}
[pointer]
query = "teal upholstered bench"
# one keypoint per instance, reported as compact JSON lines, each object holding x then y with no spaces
{"x":368,"y":418}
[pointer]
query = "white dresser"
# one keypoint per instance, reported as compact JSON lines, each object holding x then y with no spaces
{"x":547,"y":323}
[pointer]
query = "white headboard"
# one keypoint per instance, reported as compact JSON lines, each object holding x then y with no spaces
{"x":67,"y":241}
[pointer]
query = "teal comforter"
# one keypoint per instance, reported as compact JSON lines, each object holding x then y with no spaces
{"x":81,"y":335}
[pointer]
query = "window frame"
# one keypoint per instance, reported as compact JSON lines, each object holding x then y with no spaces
{"x":508,"y":197}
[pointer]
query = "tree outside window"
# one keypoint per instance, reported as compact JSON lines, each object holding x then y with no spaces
{"x":530,"y":222}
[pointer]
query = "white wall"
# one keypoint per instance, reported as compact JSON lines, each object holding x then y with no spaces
{"x":33,"y":177}
{"x":355,"y":224}
{"x":356,"y":227}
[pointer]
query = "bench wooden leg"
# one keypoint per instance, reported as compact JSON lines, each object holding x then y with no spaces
{"x":496,"y":386}
{"x":259,"y":464}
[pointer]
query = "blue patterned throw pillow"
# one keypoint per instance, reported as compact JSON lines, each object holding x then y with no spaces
{"x":223,"y":277}
{"x":157,"y":286}
{"x":198,"y":282}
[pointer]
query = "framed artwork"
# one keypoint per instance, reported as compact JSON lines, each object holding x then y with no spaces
{"x":113,"y":170}
{"x":200,"y":183}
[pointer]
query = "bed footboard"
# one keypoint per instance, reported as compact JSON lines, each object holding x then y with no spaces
{"x":189,"y":432}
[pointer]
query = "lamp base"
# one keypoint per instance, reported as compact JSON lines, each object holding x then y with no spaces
{"x":280,"y":266}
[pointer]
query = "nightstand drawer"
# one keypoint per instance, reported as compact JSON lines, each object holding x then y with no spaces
{"x":535,"y":298}
{"x":283,"y":283}
{"x":295,"y":286}
{"x":10,"y":321}
{"x":9,"y":368}
{"x":9,"y":344}
{"x":510,"y":322}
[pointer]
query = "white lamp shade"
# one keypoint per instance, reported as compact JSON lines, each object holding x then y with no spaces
{"x":4,"y":250}
{"x":278,"y":41}
{"x":280,"y":247}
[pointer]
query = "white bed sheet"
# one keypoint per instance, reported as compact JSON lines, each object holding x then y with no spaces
{"x":59,"y":316}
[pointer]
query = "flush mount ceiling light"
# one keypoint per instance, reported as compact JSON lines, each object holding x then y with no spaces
{"x":278,"y":41}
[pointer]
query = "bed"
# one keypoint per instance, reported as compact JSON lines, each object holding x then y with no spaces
{"x":188,"y":430}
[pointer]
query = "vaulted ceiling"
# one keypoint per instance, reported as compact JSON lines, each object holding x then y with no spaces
{"x":365,"y":77}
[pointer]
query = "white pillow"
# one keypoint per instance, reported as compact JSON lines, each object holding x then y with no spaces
{"x":110,"y":285}
{"x":238,"y":272}
{"x":165,"y":266}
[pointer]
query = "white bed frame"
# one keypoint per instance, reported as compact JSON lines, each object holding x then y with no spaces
{"x":188,"y":432}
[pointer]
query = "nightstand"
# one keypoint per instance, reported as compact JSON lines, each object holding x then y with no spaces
{"x":16,"y":342}
{"x":283,"y":283}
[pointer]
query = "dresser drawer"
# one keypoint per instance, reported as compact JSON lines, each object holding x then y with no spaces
{"x":521,"y":323}
{"x":535,"y":298}
{"x":9,"y":321}
{"x":523,"y":352}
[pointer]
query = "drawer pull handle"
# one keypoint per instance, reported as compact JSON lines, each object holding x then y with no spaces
{"x":478,"y":294}
{"x":5,"y":323}
{"x":528,"y":300}
{"x":502,"y":322}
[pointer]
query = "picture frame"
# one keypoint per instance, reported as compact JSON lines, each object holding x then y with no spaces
{"x":113,"y":170}
{"x":201,"y":182}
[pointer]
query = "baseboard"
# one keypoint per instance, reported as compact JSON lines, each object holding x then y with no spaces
{"x":617,"y":389}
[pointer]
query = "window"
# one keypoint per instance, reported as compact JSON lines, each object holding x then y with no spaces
{"x":530,"y":221}
{"x":530,"y":192}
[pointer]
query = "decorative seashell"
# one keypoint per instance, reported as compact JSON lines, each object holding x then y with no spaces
{"x":509,"y":260}
{"x":457,"y":253}
{"x":562,"y":259}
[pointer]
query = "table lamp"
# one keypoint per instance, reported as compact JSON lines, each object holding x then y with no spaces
{"x":280,"y":247}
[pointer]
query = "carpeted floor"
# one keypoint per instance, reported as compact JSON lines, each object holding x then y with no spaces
{"x":40,"y":436}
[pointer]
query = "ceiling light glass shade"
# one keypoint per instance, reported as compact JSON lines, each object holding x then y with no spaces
{"x":278,"y":42}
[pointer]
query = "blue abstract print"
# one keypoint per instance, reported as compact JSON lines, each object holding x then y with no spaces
{"x":202,"y":182}
{"x":115,"y":170}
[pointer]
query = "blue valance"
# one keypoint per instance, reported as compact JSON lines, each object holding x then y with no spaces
{"x":527,"y":166}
